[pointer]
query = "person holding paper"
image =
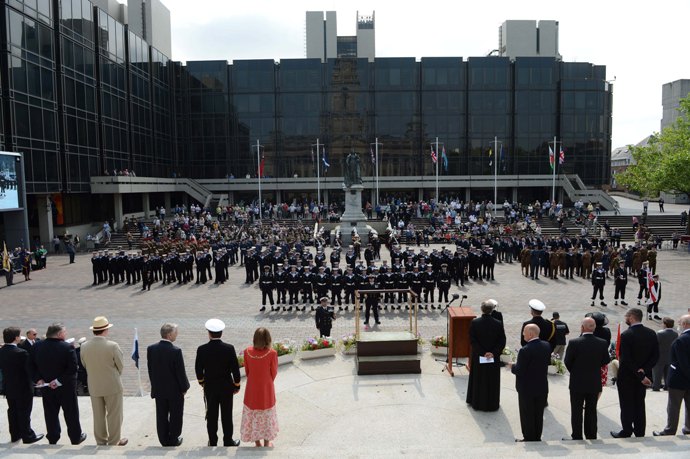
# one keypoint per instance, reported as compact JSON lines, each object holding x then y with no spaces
{"x":54,"y":365}
{"x":488,"y":340}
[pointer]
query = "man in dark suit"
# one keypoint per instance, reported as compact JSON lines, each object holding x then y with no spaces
{"x":639,"y":352}
{"x":169,"y":384}
{"x":31,"y":339}
{"x":55,"y":367}
{"x":679,"y":381}
{"x":488,"y":340}
{"x":584,"y":358}
{"x":666,"y":337}
{"x":547,"y":330}
{"x":19,"y":391}
{"x":218,"y":372}
{"x":531,"y":382}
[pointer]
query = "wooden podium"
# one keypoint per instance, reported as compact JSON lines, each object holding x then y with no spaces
{"x":459,"y":319}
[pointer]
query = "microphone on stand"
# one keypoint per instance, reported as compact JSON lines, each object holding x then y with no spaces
{"x":455,"y":297}
{"x":463,"y":298}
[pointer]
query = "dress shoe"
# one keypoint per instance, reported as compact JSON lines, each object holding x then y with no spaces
{"x":82,"y":437}
{"x":232,"y":443}
{"x":656,"y":317}
{"x":686,"y":431}
{"x":178,"y":442}
{"x":263,"y":308}
{"x":624,"y":303}
{"x":661,"y":433}
{"x":571,"y":439}
{"x":33,"y":439}
{"x":122,"y":442}
{"x":603,"y":304}
{"x":212,"y":444}
{"x":620,"y":434}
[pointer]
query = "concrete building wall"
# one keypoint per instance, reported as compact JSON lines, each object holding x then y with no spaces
{"x":331,"y":35}
{"x":366,"y":45}
{"x":161,"y":33}
{"x":135,"y":17}
{"x":114,"y":8}
{"x":527,"y":38}
{"x":518,"y":38}
{"x":548,"y":38}
{"x":315,"y":35}
{"x":671,"y":93}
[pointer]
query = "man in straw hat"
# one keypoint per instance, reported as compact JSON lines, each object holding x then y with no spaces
{"x":102,"y":360}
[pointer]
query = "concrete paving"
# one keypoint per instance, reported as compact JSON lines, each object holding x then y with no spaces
{"x":323,"y":406}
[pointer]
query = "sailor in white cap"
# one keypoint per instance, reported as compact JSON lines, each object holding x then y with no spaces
{"x":218,"y":372}
{"x":547,"y":330}
{"x":598,"y":282}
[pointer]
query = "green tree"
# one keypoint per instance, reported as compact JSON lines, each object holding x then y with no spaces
{"x":664,"y":163}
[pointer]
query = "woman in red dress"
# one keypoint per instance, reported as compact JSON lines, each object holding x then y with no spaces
{"x":259,"y":418}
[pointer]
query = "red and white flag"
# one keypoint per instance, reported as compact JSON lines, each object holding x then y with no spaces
{"x":652,"y":287}
{"x":561,"y":156}
{"x":433,"y":155}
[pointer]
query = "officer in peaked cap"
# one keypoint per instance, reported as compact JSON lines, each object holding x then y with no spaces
{"x":547,"y":329}
{"x":218,"y":372}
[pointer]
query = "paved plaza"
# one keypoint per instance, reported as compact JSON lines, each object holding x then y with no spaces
{"x":322,"y":405}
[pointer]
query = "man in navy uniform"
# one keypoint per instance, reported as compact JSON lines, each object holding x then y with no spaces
{"x":372,"y":300}
{"x":324,"y":317}
{"x":218,"y":372}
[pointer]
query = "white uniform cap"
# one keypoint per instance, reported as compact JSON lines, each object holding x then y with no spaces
{"x":537,"y":305}
{"x":215,"y":325}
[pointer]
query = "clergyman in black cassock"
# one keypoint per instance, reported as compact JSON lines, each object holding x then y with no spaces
{"x":488,"y":340}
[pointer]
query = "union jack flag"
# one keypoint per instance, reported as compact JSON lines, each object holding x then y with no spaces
{"x":434,"y":158}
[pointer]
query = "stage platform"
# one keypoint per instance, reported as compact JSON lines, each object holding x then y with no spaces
{"x":387,"y":353}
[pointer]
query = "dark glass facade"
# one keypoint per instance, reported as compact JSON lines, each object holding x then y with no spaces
{"x":81,"y":95}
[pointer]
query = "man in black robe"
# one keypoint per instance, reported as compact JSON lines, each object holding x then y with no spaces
{"x":488,"y":340}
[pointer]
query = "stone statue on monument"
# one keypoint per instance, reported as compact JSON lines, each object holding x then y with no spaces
{"x":352,"y":174}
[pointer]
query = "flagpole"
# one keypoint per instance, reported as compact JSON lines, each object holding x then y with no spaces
{"x":258,"y":163}
{"x":377,"y":170}
{"x":495,"y":171}
{"x":141,"y":389}
{"x":318,"y":174}
{"x":437,"y":171}
{"x":553,"y":180}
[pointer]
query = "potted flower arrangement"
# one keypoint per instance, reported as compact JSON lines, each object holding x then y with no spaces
{"x":286,"y":351}
{"x":349,"y":343}
{"x":439,"y":345}
{"x":557,"y":366}
{"x":507,"y":355}
{"x":313,"y":348}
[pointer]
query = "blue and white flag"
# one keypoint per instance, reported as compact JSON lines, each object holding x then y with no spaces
{"x":135,"y":350}
{"x":326,"y":164}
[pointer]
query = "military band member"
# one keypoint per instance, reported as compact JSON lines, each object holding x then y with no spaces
{"x":324,"y":317}
{"x":621,"y":281}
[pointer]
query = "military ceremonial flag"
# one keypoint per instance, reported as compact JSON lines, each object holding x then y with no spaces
{"x":561,"y":156}
{"x":552,"y":159}
{"x":434,"y":159}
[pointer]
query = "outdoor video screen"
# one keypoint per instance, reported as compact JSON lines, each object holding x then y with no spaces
{"x":9,"y":183}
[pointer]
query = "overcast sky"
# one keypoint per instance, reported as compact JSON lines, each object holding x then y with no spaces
{"x":642,"y":44}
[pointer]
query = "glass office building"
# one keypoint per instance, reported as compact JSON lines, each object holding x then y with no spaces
{"x":82,"y":95}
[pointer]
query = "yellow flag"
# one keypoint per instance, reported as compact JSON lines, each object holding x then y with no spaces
{"x":5,"y":257}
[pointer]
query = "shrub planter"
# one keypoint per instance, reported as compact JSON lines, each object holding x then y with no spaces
{"x":318,"y":353}
{"x":439,"y":350}
{"x":287,"y":358}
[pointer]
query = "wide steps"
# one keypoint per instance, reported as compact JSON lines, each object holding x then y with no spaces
{"x":382,"y":353}
{"x":388,"y":365}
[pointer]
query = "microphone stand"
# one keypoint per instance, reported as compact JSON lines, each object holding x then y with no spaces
{"x":449,"y":350}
